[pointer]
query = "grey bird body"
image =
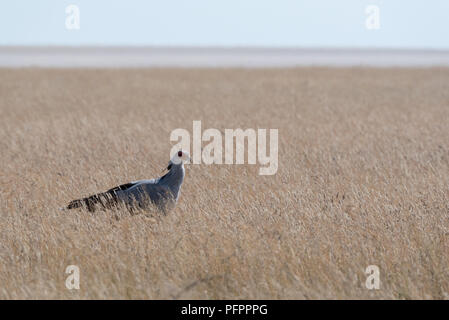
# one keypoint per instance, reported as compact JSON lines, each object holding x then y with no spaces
{"x":162,"y":192}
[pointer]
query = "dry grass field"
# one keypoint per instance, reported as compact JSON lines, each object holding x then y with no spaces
{"x":363,"y":179}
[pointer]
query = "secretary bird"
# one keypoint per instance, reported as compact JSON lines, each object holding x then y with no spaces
{"x":162,"y":192}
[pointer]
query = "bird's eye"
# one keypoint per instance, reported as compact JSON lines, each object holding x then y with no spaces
{"x":180,"y":154}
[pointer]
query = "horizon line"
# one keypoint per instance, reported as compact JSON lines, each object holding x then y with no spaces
{"x":174,"y":56}
{"x":224,"y":47}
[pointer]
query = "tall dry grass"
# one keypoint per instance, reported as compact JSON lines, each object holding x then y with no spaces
{"x":363,"y":180}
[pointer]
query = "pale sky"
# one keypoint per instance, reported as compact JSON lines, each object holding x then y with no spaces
{"x":267,"y":23}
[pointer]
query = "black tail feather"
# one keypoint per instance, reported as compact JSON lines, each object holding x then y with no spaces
{"x":106,"y":200}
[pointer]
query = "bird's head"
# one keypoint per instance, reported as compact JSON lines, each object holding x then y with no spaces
{"x":179,"y":157}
